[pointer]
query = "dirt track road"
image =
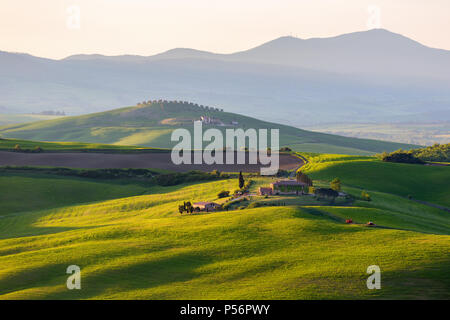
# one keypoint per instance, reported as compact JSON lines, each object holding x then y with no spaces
{"x":141,"y":160}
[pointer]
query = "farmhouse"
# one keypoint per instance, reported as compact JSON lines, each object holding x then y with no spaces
{"x":288,"y":187}
{"x":284,"y":187}
{"x":206,"y":206}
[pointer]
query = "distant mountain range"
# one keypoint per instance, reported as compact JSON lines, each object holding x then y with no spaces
{"x":151,"y":125}
{"x":370,"y":76}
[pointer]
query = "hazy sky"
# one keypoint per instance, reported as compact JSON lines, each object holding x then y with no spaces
{"x":51,"y":28}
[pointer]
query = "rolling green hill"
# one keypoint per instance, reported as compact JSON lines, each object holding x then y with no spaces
{"x":6,"y":119}
{"x":151,"y":125}
{"x":140,"y":247}
{"x":426,"y":183}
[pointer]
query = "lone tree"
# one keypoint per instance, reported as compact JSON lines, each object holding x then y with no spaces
{"x":241,"y":180}
{"x":336,"y":184}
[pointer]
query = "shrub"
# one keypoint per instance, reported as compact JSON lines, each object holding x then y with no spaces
{"x":223,"y":194}
{"x":401,"y":157}
{"x":336,"y":184}
{"x":216,"y":173}
{"x":365,"y":196}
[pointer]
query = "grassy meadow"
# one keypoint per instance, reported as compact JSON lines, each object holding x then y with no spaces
{"x":138,"y":246}
{"x":61,"y":146}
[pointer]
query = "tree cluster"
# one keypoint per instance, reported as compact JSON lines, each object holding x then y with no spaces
{"x":18,"y":148}
{"x":186,"y":207}
{"x":326,"y":192}
{"x":400,"y":156}
{"x":302,"y":177}
{"x":182,"y":103}
{"x":437,"y":153}
{"x":223,"y":194}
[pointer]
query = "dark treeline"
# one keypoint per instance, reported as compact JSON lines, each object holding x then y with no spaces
{"x":147,"y":175}
{"x":169,"y":103}
{"x":437,"y":153}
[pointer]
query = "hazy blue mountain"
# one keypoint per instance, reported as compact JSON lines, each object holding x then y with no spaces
{"x":372,"y":76}
{"x":377,"y":52}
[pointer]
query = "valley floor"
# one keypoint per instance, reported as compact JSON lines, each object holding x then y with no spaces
{"x":414,"y":133}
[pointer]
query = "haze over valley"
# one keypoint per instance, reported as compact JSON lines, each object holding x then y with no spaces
{"x":375,"y":77}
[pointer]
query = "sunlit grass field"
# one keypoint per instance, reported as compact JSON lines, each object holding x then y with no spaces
{"x":427,"y":183}
{"x":140,"y":247}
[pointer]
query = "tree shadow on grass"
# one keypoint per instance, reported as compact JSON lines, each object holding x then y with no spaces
{"x":138,"y":276}
{"x":33,"y":277}
{"x":430,"y":281}
{"x":329,"y":223}
{"x":319,"y":214}
{"x":33,"y":231}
